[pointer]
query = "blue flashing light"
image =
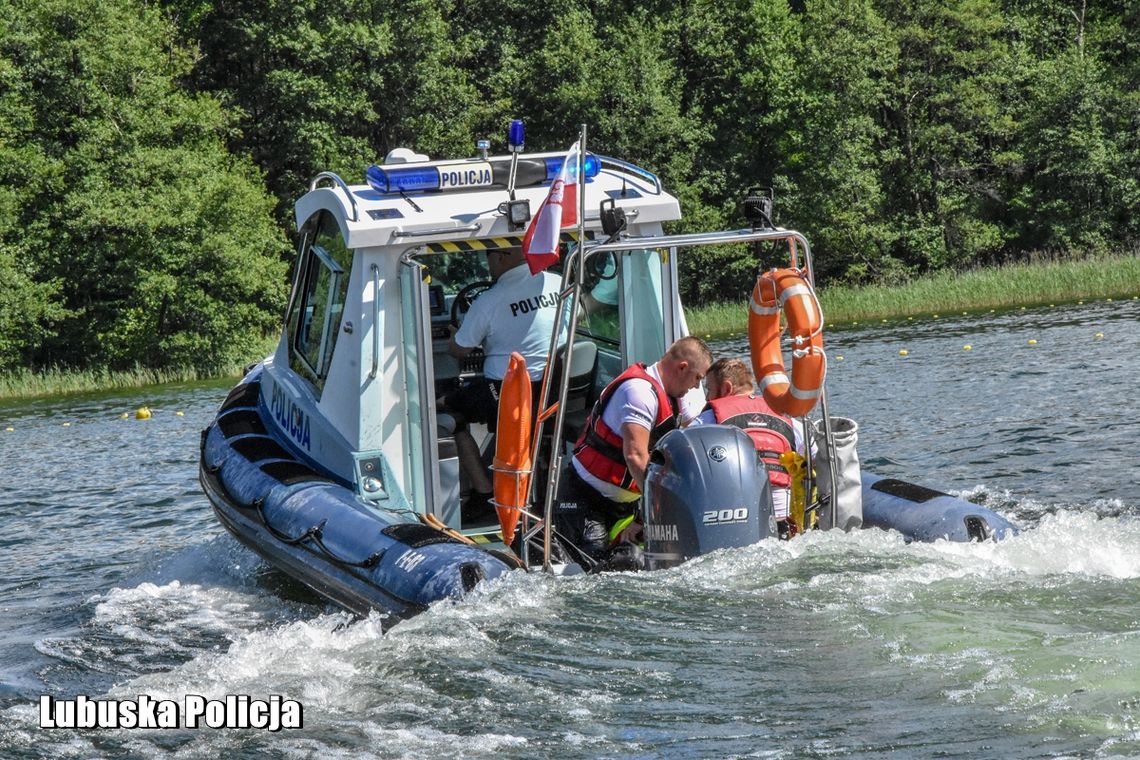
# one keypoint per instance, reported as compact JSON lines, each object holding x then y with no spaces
{"x":516,"y":136}
{"x":554,"y":165}
{"x":393,"y":179}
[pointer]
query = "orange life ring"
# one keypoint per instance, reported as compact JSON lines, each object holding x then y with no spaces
{"x":786,"y":290}
{"x":512,"y":465}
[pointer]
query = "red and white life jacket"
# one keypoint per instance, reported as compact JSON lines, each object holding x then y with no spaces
{"x":771,"y":433}
{"x":599,"y":449}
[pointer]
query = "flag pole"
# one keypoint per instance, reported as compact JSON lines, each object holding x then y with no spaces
{"x":567,"y":356}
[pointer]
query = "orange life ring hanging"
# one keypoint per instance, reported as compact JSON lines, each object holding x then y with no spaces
{"x":785,"y":290}
{"x":512,"y":465}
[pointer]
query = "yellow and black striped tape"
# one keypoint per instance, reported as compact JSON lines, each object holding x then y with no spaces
{"x":487,"y":244}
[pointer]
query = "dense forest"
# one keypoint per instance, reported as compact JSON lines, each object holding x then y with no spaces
{"x":150,"y":150}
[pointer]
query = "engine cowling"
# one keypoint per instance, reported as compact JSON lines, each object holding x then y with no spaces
{"x":706,"y":489}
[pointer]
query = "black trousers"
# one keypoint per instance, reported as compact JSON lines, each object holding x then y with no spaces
{"x":584,"y":516}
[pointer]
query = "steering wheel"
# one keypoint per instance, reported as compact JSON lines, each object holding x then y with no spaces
{"x":465,"y":297}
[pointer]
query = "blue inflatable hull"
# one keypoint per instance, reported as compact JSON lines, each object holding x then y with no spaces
{"x":922,"y":514}
{"x":318,"y":531}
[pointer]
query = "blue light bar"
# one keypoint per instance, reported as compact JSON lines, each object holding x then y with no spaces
{"x":467,"y":175}
{"x":461,"y":175}
{"x":554,"y":165}
{"x":393,"y":179}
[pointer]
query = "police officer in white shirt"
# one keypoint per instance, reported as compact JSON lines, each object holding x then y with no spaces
{"x":516,"y":314}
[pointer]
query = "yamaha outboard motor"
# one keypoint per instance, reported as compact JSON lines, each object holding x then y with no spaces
{"x":706,"y":489}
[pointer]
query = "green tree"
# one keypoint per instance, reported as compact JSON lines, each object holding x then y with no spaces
{"x":156,"y":246}
{"x":333,"y":85}
{"x":948,"y":125}
{"x":834,"y":145}
{"x":1077,"y":134}
{"x":735,"y":61}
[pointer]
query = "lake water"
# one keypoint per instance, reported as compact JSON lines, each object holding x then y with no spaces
{"x":116,"y":581}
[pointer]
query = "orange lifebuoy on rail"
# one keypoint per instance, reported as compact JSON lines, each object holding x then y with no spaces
{"x":786,"y":290}
{"x":512,"y":465}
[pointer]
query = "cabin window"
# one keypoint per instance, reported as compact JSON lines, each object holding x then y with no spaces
{"x":600,"y":299}
{"x":318,"y":305}
{"x":644,"y":322}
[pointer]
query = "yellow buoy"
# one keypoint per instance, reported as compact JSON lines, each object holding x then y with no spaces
{"x":143,"y":413}
{"x":884,"y":321}
{"x":936,"y":316}
{"x":854,"y":323}
{"x":903,"y":352}
{"x":67,"y":424}
{"x":1080,"y":302}
{"x":838,"y":359}
{"x":1109,"y":300}
{"x":180,"y":414}
{"x":967,"y":347}
{"x":1098,"y":336}
{"x":124,"y":415}
{"x":965,"y":313}
{"x":10,"y":430}
{"x":1032,"y":342}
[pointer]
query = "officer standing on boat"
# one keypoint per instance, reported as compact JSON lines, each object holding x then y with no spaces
{"x":516,"y":314}
{"x":610,"y":459}
{"x":732,"y":401}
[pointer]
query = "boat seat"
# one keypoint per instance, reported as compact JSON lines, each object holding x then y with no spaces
{"x":583,"y":369}
{"x":445,"y":425}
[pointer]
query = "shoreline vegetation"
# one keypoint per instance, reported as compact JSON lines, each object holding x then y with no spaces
{"x":1003,"y":287}
{"x":29,"y":384}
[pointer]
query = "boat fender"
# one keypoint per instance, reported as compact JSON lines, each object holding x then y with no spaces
{"x":786,"y":291}
{"x":512,"y":465}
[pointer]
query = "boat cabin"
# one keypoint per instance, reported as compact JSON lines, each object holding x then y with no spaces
{"x":384,"y":268}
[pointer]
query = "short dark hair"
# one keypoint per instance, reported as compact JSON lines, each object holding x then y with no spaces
{"x":733,"y":370}
{"x":690,"y":348}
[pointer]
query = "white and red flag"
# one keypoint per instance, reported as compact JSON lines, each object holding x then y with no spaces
{"x":558,"y":210}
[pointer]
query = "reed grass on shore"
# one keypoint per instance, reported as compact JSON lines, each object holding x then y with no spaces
{"x":25,"y":383}
{"x":983,"y":289}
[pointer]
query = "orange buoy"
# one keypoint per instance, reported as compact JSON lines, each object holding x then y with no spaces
{"x":512,"y":466}
{"x":785,"y":290}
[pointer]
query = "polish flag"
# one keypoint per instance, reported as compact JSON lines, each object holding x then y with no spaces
{"x":558,"y":210}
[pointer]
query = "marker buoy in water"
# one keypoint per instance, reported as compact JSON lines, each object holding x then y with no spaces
{"x":904,"y":352}
{"x":1032,"y":342}
{"x":143,"y":413}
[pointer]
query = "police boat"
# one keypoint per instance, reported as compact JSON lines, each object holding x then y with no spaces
{"x":332,"y":461}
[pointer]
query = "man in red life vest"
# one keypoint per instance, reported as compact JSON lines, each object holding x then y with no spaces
{"x":729,"y":389}
{"x":607,"y":471}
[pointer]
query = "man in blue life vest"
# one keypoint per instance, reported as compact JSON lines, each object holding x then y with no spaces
{"x":729,"y":389}
{"x":516,"y":314}
{"x":607,"y":471}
